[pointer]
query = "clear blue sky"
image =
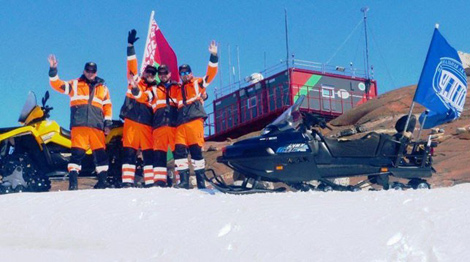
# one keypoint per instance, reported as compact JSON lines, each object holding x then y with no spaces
{"x":90,"y":30}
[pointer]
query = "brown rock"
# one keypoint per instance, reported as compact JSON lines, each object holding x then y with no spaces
{"x":464,"y":136}
{"x":212,"y":148}
{"x":461,"y":130}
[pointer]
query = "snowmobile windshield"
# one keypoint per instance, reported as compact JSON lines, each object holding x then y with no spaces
{"x":28,"y":107}
{"x":289,"y":120}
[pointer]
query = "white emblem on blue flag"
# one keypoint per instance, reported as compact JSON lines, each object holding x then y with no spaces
{"x":448,"y":82}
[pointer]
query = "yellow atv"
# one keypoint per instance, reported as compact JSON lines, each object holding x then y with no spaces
{"x":40,"y":148}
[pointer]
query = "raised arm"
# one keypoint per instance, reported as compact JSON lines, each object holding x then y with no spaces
{"x":57,"y":84}
{"x":131,"y":57}
{"x":213,"y":63}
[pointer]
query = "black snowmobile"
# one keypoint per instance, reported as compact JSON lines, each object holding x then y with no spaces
{"x":292,"y":150}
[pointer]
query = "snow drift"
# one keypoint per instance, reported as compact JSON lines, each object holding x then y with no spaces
{"x":190,"y":225}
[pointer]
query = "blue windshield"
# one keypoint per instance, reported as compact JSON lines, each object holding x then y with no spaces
{"x":290,"y":119}
{"x":28,"y":107}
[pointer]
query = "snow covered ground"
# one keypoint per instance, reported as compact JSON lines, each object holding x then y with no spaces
{"x":189,"y":225}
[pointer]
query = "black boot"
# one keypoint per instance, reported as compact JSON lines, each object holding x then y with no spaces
{"x":170,"y":178}
{"x":102,"y":183}
{"x":73,"y":180}
{"x":149,"y":185}
{"x":200,"y":180}
{"x":161,"y":184}
{"x":184,"y":180}
{"x":127,"y":185}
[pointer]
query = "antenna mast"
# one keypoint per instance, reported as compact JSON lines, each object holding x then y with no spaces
{"x":229,"y":67}
{"x":287,"y":38}
{"x":238,"y":65}
{"x":364,"y":10}
{"x":368,"y":82}
{"x":287,"y":49}
{"x":220,"y":70}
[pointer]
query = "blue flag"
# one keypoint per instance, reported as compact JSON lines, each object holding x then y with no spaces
{"x":442,"y":86}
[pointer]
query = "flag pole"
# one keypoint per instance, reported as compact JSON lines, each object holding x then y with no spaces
{"x":402,"y":146}
{"x":421,"y":126}
{"x":408,"y":118}
{"x":147,"y":41}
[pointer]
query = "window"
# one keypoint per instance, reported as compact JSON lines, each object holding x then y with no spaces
{"x":328,"y":91}
{"x":251,"y":102}
{"x":328,"y":96}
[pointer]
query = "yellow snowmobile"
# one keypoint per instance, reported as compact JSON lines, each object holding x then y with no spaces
{"x":40,"y":148}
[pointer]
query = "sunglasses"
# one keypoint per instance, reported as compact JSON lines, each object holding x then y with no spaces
{"x":90,"y":70}
{"x":163,"y":73}
{"x":185,"y":73}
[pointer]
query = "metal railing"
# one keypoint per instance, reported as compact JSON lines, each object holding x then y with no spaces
{"x":293,"y":63}
{"x":331,"y":69}
{"x":209,"y":125}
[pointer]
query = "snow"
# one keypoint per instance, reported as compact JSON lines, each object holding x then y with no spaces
{"x":162,"y":224}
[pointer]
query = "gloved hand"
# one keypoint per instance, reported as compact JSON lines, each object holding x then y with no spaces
{"x":131,"y":38}
{"x":135,"y":91}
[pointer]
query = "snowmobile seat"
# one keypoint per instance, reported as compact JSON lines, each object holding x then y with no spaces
{"x":65,"y":133}
{"x":373,"y":144}
{"x":362,"y":147}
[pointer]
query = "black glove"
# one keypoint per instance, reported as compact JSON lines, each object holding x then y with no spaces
{"x":135,"y":91}
{"x":131,"y":38}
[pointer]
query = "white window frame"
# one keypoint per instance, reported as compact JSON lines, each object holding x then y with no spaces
{"x":331,"y":91}
{"x":249,"y":102}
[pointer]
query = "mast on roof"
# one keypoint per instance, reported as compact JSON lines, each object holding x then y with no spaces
{"x":364,"y":10}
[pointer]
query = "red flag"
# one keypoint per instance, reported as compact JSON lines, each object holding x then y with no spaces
{"x":158,"y":51}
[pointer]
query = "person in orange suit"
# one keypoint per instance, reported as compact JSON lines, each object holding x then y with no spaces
{"x":137,"y":114}
{"x":191,"y":117}
{"x":91,"y":114}
{"x":165,"y":109}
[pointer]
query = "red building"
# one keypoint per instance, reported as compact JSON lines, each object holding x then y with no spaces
{"x":328,"y":92}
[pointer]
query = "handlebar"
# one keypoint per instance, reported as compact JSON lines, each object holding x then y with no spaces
{"x":312,"y":120}
{"x":46,"y":110}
